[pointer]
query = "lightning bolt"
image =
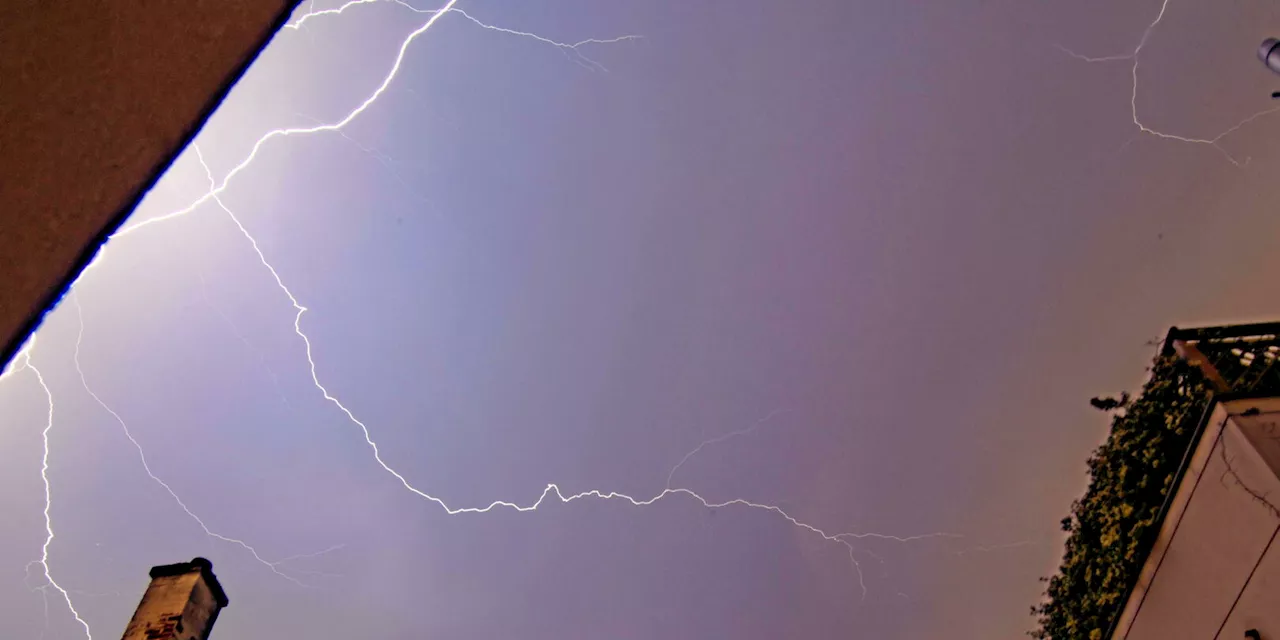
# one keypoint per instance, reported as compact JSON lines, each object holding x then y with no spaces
{"x":142,"y":457}
{"x":571,"y":50}
{"x":719,"y":439}
{"x":1133,"y":56}
{"x":317,"y":554}
{"x":26,"y":364}
{"x":43,"y":590}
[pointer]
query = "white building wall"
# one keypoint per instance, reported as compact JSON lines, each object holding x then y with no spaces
{"x":1214,"y":570}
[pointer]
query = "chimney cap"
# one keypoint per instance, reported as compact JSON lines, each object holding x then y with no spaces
{"x":197,"y":565}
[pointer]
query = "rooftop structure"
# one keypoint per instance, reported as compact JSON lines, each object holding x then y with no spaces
{"x":1139,"y":475}
{"x":181,"y":603}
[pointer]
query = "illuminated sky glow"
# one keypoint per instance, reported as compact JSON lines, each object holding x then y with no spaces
{"x":576,"y":320}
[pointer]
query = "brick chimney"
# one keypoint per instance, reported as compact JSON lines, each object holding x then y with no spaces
{"x":181,"y":603}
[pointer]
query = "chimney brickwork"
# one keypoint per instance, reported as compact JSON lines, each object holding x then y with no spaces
{"x":181,"y":603}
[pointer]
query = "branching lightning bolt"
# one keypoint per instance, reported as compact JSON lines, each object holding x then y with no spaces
{"x":1133,"y":56}
{"x":25,"y":357}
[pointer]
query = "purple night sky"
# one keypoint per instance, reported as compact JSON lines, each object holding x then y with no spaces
{"x":881,"y":255}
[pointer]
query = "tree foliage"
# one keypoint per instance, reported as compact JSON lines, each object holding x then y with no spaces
{"x":1111,"y":527}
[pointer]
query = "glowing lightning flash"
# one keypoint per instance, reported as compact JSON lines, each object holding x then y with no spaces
{"x":551,"y":490}
{"x":1133,"y":97}
{"x":25,"y":357}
